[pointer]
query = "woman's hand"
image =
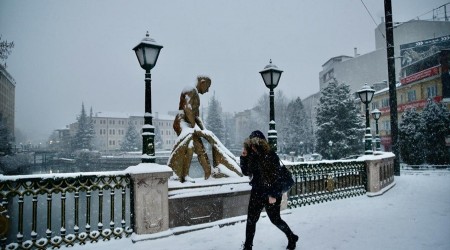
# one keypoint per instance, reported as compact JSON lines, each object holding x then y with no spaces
{"x":272,"y":200}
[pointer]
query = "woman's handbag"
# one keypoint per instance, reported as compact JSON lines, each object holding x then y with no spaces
{"x":286,"y":180}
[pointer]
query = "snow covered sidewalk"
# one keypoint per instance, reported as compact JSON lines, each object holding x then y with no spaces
{"x":414,"y":214}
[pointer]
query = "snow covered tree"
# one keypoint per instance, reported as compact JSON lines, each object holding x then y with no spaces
{"x":338,"y":121}
{"x":411,"y":138}
{"x":131,"y":140}
{"x":298,"y":127}
{"x":436,"y":127}
{"x":91,"y":130}
{"x":214,"y":120}
{"x":83,"y":136}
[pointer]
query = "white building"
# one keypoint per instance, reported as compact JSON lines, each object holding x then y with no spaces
{"x":110,"y":129}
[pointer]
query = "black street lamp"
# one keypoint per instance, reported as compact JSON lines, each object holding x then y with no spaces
{"x":376,"y":114}
{"x":330,"y":143}
{"x":147,"y":53}
{"x":366,"y":95}
{"x":271,"y":76}
{"x":301,"y":148}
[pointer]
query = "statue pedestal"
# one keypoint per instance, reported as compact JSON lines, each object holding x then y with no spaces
{"x":151,"y":205}
{"x":207,"y":201}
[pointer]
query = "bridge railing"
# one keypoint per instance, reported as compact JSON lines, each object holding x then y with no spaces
{"x":323,"y":181}
{"x":54,"y":210}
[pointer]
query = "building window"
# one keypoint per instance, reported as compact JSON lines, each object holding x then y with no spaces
{"x":431,"y":91}
{"x":411,"y":95}
{"x":375,"y":105}
{"x":385,"y":102}
{"x":386,"y":125}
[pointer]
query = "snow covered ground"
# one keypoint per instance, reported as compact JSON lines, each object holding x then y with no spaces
{"x":414,"y":214}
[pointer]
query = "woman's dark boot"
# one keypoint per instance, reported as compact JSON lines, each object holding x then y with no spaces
{"x":292,"y":243}
{"x":247,"y":246}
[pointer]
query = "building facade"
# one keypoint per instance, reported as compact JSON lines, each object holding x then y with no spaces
{"x":110,"y":129}
{"x":424,"y":78}
{"x":7,"y":99}
{"x":372,"y":67}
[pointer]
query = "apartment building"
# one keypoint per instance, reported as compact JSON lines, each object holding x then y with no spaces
{"x":424,"y":77}
{"x":371,"y":67}
{"x":7,"y":99}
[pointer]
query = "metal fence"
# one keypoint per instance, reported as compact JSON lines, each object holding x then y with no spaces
{"x":51,"y":211}
{"x":326,"y":181}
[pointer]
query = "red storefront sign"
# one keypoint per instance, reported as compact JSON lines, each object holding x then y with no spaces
{"x":420,"y":75}
{"x":416,"y":104}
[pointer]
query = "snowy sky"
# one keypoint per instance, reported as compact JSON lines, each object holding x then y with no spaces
{"x":69,"y":52}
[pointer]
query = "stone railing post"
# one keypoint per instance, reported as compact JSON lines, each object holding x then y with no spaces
{"x":151,"y":202}
{"x":376,"y":173}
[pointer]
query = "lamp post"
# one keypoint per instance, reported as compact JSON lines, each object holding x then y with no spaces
{"x":366,"y":95}
{"x":376,"y":114}
{"x":147,"y":52}
{"x":330,"y":143}
{"x":271,"y":76}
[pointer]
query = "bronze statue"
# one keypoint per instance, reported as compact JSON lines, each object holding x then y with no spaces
{"x":190,"y":130}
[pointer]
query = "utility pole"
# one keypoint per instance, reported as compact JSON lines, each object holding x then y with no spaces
{"x":392,"y":84}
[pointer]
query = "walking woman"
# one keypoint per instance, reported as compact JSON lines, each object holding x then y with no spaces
{"x":261,"y":164}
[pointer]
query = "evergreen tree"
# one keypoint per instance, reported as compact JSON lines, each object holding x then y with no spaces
{"x":338,"y":121}
{"x":411,"y":138}
{"x":131,"y":140}
{"x":82,"y":138}
{"x":436,"y":127}
{"x":298,"y":128}
{"x":214,"y":120}
{"x":91,"y":130}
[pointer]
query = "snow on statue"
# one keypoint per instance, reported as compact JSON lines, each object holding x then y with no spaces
{"x":190,"y":130}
